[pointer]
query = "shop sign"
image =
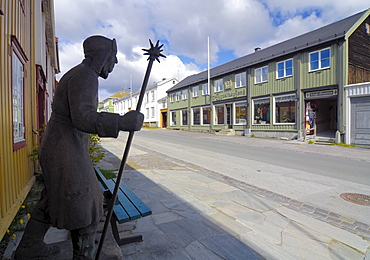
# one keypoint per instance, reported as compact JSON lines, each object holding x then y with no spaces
{"x":234,"y":93}
{"x":322,"y":93}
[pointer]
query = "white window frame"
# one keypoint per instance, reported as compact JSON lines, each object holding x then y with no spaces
{"x":200,"y":116}
{"x":253,"y":115}
{"x":18,"y":61}
{"x":241,"y":80}
{"x":285,"y":68}
{"x":153,"y":112}
{"x":172,"y":97}
{"x":219,"y":85}
{"x":239,"y":104}
{"x":320,"y":60}
{"x":293,"y":98}
{"x":259,"y":75}
{"x":178,"y":95}
{"x":205,"y":89}
{"x":184,"y":94}
{"x":195,"y":91}
{"x":152,"y":96}
{"x":216,"y":114}
{"x":147,"y":113}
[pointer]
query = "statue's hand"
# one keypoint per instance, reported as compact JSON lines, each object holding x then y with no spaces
{"x":131,"y":121}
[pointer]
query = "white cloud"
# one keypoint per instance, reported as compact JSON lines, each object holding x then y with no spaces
{"x":237,"y":26}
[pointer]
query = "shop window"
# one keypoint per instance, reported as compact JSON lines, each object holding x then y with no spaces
{"x":18,"y":61}
{"x":196,"y":116}
{"x":205,"y":89}
{"x":285,"y":109}
{"x":196,"y":91}
{"x":240,"y":114}
{"x":219,"y":85}
{"x":184,"y":117}
{"x":173,"y":118}
{"x":206,"y":112}
{"x":184,"y":94}
{"x":261,"y":111}
{"x":320,"y":59}
{"x":261,"y":74}
{"x":220,"y":115}
{"x":285,"y":69}
{"x":240,"y":80}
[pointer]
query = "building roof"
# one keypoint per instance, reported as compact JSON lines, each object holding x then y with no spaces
{"x":319,"y":36}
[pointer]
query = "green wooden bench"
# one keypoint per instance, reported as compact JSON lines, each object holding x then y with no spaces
{"x":127,"y":207}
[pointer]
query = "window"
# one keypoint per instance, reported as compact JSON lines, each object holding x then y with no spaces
{"x":196,"y":116}
{"x":219,"y":85}
{"x":285,"y":68}
{"x":195,"y":91}
{"x":152,"y":96}
{"x":147,"y":97}
{"x":152,"y":109}
{"x":261,"y":74}
{"x":261,"y":111}
{"x":367,"y":29}
{"x":320,"y":59}
{"x":206,"y":112}
{"x":178,"y":94}
{"x":205,"y":90}
{"x":184,"y":117}
{"x":147,"y":113}
{"x":184,"y":94}
{"x":220,"y":115}
{"x":240,"y":80}
{"x":18,"y":61}
{"x":173,"y":118}
{"x":241,"y":113}
{"x":172,"y":97}
{"x":285,"y":109}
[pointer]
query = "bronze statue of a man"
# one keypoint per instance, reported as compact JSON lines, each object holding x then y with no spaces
{"x":72,"y":198}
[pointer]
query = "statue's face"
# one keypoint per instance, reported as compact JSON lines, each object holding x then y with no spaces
{"x":109,"y":65}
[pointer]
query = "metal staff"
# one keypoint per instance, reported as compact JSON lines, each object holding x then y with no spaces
{"x":154,"y":53}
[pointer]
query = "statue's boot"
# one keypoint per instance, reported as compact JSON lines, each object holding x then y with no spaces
{"x":32,"y":244}
{"x":83,"y":243}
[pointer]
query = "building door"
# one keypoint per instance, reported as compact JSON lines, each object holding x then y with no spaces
{"x":360,"y":120}
{"x":164,"y":119}
{"x":229,"y":115}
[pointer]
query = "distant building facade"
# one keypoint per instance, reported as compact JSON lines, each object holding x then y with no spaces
{"x":293,"y":89}
{"x":153,"y":107}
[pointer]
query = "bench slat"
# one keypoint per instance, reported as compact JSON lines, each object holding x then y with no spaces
{"x":127,"y":206}
{"x":136,"y":201}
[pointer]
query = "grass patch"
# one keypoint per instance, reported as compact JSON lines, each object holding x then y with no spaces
{"x":344,"y":145}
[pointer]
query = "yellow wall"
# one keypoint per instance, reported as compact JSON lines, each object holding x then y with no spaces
{"x":16,"y":169}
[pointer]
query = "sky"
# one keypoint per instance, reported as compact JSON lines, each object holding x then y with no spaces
{"x":234,"y":28}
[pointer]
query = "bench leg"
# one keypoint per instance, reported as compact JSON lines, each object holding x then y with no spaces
{"x":126,"y":240}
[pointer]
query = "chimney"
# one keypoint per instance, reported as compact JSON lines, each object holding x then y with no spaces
{"x":163,"y":79}
{"x":257,"y":49}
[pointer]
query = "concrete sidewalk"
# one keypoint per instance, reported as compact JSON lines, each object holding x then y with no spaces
{"x":200,"y":214}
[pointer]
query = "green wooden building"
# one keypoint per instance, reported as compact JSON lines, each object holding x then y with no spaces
{"x":294,"y":89}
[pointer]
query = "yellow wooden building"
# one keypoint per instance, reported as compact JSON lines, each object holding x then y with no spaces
{"x":28,"y":64}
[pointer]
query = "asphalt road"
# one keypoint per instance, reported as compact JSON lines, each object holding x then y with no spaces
{"x":330,"y":165}
{"x":313,"y":174}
